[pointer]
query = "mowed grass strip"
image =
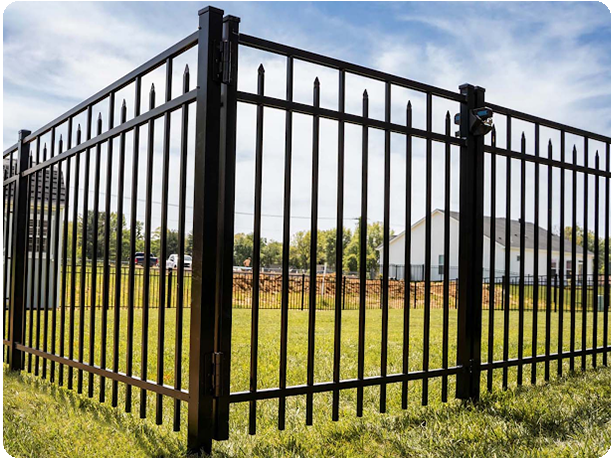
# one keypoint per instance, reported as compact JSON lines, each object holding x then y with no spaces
{"x":569,"y":417}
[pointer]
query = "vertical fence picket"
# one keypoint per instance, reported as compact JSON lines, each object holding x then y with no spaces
{"x":407,"y":256}
{"x":536,"y":252}
{"x":312,"y":261}
{"x":492,"y":266}
{"x":339,"y":285}
{"x":363,"y":254}
{"x":522,"y":262}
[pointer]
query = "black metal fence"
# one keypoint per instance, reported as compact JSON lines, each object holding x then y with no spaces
{"x":49,"y":328}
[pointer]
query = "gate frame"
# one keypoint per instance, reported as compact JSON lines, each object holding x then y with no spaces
{"x":213,"y":230}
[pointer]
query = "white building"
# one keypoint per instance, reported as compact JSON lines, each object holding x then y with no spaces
{"x":418,"y":237}
{"x":38,"y":261}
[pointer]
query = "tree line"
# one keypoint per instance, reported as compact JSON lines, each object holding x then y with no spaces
{"x":300,"y":249}
{"x":172,"y":238}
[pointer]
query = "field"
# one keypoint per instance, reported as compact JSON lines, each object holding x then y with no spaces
{"x":373,"y":434}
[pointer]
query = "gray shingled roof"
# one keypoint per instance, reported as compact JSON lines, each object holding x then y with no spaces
{"x":515,"y":231}
{"x":41,"y":186}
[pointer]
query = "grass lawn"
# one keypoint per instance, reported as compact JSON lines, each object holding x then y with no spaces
{"x":568,"y":417}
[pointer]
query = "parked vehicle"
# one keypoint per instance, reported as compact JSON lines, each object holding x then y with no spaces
{"x":139,"y":259}
{"x":173,"y":261}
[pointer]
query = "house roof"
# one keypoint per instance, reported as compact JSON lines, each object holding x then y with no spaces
{"x":43,"y":188}
{"x":500,"y":226}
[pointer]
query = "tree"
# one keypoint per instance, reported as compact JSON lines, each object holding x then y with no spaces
{"x":374,"y":238}
{"x":299,"y":251}
{"x":271,"y":253}
{"x":243,"y":248}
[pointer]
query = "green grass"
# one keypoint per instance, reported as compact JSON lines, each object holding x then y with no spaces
{"x":372,"y":435}
{"x":570,"y":417}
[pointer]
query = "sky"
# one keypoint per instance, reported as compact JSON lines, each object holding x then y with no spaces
{"x":547,"y":59}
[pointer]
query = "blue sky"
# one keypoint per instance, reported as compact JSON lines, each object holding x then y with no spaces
{"x":548,"y":59}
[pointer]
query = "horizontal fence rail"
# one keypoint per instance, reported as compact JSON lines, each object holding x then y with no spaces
{"x":98,"y":199}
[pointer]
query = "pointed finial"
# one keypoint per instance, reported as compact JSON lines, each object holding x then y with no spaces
{"x":60,"y":137}
{"x":316,"y":82}
{"x":574,"y":148}
{"x":409,"y":105}
{"x":123,"y":104}
{"x":261,"y":68}
{"x":365,"y":93}
{"x":523,"y":136}
{"x":152,"y":87}
{"x":447,"y":116}
{"x":186,"y":68}
{"x":549,"y":145}
{"x":99,"y":116}
{"x":79,"y":127}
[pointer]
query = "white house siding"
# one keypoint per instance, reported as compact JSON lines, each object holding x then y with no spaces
{"x":437,"y":248}
{"x":36,"y":265}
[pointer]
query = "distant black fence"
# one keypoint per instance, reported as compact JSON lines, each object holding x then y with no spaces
{"x":271,"y":289}
{"x":60,"y":320}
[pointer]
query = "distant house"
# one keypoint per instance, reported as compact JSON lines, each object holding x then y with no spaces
{"x":418,"y":231}
{"x":37,"y":263}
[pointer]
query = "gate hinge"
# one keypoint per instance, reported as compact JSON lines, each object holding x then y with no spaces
{"x":216,"y":374}
{"x":471,"y":366}
{"x":224,"y":62}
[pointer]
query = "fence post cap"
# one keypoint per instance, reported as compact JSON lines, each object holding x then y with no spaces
{"x":23,"y":133}
{"x":230,"y":18}
{"x":466,"y":86}
{"x":211,"y":9}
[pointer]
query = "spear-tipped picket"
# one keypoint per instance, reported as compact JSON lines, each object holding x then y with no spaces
{"x":549,"y":149}
{"x":79,"y":134}
{"x":261,"y":73}
{"x":186,"y":79}
{"x":409,"y":113}
{"x":494,"y":135}
{"x":523,"y":142}
{"x":316,"y":92}
{"x":365,"y":104}
{"x":152,"y":97}
{"x":99,"y":123}
{"x":60,"y":144}
{"x":123,"y":114}
{"x":447,"y":123}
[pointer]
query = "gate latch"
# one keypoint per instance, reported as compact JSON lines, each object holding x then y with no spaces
{"x":481,"y":121}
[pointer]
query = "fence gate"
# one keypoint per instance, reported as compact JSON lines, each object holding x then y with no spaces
{"x":71,"y":259}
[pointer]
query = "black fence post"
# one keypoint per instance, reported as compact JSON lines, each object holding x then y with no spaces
{"x":19,"y":254}
{"x":214,"y":169}
{"x":471,"y":249}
